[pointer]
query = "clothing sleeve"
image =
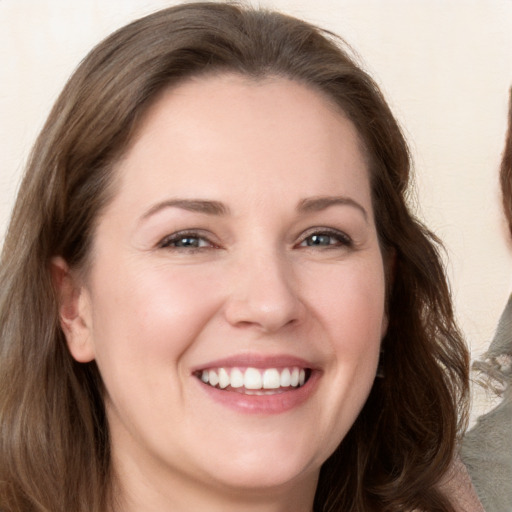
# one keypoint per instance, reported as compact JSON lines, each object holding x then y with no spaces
{"x":457,"y":485}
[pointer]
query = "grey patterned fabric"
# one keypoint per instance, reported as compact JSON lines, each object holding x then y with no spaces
{"x":487,"y":447}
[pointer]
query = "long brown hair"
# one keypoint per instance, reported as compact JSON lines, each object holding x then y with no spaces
{"x":54,"y":439}
{"x":506,"y":168}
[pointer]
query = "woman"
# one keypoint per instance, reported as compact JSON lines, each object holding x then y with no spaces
{"x":213,"y":294}
{"x":487,"y":447}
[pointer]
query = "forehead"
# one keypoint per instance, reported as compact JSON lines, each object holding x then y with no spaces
{"x":272,"y":131}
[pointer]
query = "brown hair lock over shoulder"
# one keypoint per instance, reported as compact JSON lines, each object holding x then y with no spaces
{"x":54,"y":440}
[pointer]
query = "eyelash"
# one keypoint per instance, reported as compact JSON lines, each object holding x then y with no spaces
{"x":170,"y":242}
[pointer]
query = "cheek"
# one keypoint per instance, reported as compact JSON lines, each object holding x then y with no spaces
{"x":155,"y":313}
{"x":351,"y":308}
{"x":350,"y":303}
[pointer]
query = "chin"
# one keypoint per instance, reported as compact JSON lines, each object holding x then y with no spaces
{"x":271,"y":479}
{"x":268,"y":469}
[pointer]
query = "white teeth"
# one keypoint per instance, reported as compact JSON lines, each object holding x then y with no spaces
{"x":223,"y":378}
{"x":271,"y":379}
{"x":237,"y":378}
{"x":254,"y":379}
{"x":213,"y":377}
{"x":285,"y":378}
{"x":294,"y":379}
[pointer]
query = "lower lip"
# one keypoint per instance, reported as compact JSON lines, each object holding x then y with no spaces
{"x":263,"y":404}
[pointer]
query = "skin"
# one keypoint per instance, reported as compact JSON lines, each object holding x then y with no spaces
{"x":151,"y":311}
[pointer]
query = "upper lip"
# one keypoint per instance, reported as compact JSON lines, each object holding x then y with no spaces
{"x":256,"y":361}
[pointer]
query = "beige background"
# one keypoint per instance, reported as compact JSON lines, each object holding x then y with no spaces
{"x":444,"y":65}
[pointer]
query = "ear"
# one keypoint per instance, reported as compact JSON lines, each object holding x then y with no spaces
{"x":74,"y":311}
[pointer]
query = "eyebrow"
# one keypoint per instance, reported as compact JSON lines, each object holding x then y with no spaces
{"x":192,"y":205}
{"x":316,"y":204}
{"x":210,"y":207}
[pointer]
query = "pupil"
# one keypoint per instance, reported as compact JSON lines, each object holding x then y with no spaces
{"x":188,"y":242}
{"x":319,"y":240}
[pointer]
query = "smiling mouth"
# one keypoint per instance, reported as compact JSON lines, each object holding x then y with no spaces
{"x":255,"y":381}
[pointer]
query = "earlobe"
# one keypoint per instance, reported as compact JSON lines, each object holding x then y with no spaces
{"x":74,"y":311}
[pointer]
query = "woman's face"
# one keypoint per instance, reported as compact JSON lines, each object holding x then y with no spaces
{"x":235,"y":301}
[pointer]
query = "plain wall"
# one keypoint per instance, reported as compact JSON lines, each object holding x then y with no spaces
{"x":444,"y":65}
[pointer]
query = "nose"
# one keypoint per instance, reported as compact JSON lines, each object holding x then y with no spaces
{"x":264,"y":294}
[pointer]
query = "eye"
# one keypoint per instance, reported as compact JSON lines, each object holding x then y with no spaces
{"x":186,"y":240}
{"x":326,"y":238}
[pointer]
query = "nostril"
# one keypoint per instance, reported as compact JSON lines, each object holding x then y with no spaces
{"x":267,"y":314}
